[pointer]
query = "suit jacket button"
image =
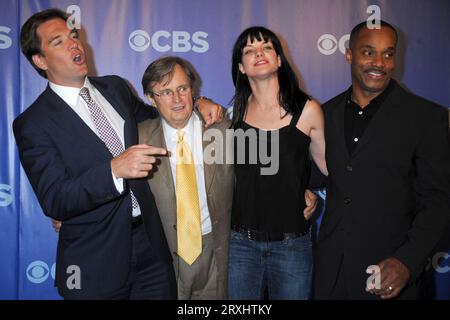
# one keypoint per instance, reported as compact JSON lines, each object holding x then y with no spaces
{"x":347,"y":200}
{"x":349,"y":168}
{"x":175,"y":227}
{"x":175,"y":254}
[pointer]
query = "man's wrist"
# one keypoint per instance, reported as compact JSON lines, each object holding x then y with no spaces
{"x":118,"y":183}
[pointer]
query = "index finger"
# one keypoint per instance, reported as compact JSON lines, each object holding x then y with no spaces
{"x":152,"y":151}
{"x":139,"y":146}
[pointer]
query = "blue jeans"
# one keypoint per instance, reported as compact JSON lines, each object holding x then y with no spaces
{"x":283,"y":268}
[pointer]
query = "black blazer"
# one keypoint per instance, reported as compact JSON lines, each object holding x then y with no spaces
{"x":390,"y":198}
{"x":70,"y":172}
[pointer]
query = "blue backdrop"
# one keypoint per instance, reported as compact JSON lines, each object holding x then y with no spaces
{"x":123,"y":37}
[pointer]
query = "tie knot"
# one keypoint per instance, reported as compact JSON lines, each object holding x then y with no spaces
{"x":84,"y":93}
{"x":180,"y":136}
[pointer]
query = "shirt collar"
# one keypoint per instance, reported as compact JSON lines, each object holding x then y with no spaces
{"x":172,"y":132}
{"x":70,"y":95}
{"x":379,"y":99}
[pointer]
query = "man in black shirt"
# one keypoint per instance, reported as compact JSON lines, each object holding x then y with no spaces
{"x":389,"y":179}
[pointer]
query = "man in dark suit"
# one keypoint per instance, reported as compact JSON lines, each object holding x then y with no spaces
{"x":388,"y":193}
{"x":78,"y":145}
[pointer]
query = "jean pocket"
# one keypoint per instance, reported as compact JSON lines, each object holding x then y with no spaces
{"x":236,"y":236}
{"x":302,"y":242}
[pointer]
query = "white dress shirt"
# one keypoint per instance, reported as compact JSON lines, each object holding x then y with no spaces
{"x":71,"y":96}
{"x":193,"y":137}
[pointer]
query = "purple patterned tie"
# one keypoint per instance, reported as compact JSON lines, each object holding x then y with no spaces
{"x":105,"y":131}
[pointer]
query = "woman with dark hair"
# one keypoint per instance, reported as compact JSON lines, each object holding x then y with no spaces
{"x":270,"y":243}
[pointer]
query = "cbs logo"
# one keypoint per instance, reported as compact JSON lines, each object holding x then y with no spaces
{"x":164,"y":41}
{"x":5,"y":40}
{"x":441,"y":262}
{"x":328,"y":44}
{"x":5,"y":195}
{"x":38,"y":271}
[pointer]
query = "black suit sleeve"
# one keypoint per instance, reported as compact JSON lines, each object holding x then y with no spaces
{"x":61,"y":194}
{"x":144,"y":111}
{"x":141,"y":110}
{"x":432,"y":189}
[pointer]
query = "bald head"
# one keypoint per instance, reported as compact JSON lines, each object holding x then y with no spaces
{"x":363,"y":26}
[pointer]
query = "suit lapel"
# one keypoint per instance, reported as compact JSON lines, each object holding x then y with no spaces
{"x":163,"y":182}
{"x":129,"y":131}
{"x":65,"y":118}
{"x":209,"y":169}
{"x":156,"y":138}
{"x":111,"y":96}
{"x":338,"y":123}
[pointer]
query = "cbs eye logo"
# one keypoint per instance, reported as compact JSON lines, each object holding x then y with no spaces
{"x":441,"y":262}
{"x":328,"y":44}
{"x":139,"y":40}
{"x":38,"y":271}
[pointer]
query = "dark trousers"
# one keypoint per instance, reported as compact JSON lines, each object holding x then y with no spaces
{"x":150,"y":277}
{"x":339,"y":291}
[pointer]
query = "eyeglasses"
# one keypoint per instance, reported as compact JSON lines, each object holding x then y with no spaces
{"x":168,"y":93}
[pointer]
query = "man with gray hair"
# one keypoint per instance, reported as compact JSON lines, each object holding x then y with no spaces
{"x":193,"y":195}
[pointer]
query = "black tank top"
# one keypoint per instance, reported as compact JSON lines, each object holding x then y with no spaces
{"x":273,"y":203}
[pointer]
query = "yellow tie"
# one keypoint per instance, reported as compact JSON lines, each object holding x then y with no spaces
{"x":189,"y":231}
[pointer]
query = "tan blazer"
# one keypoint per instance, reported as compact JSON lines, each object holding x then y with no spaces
{"x":219,"y":183}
